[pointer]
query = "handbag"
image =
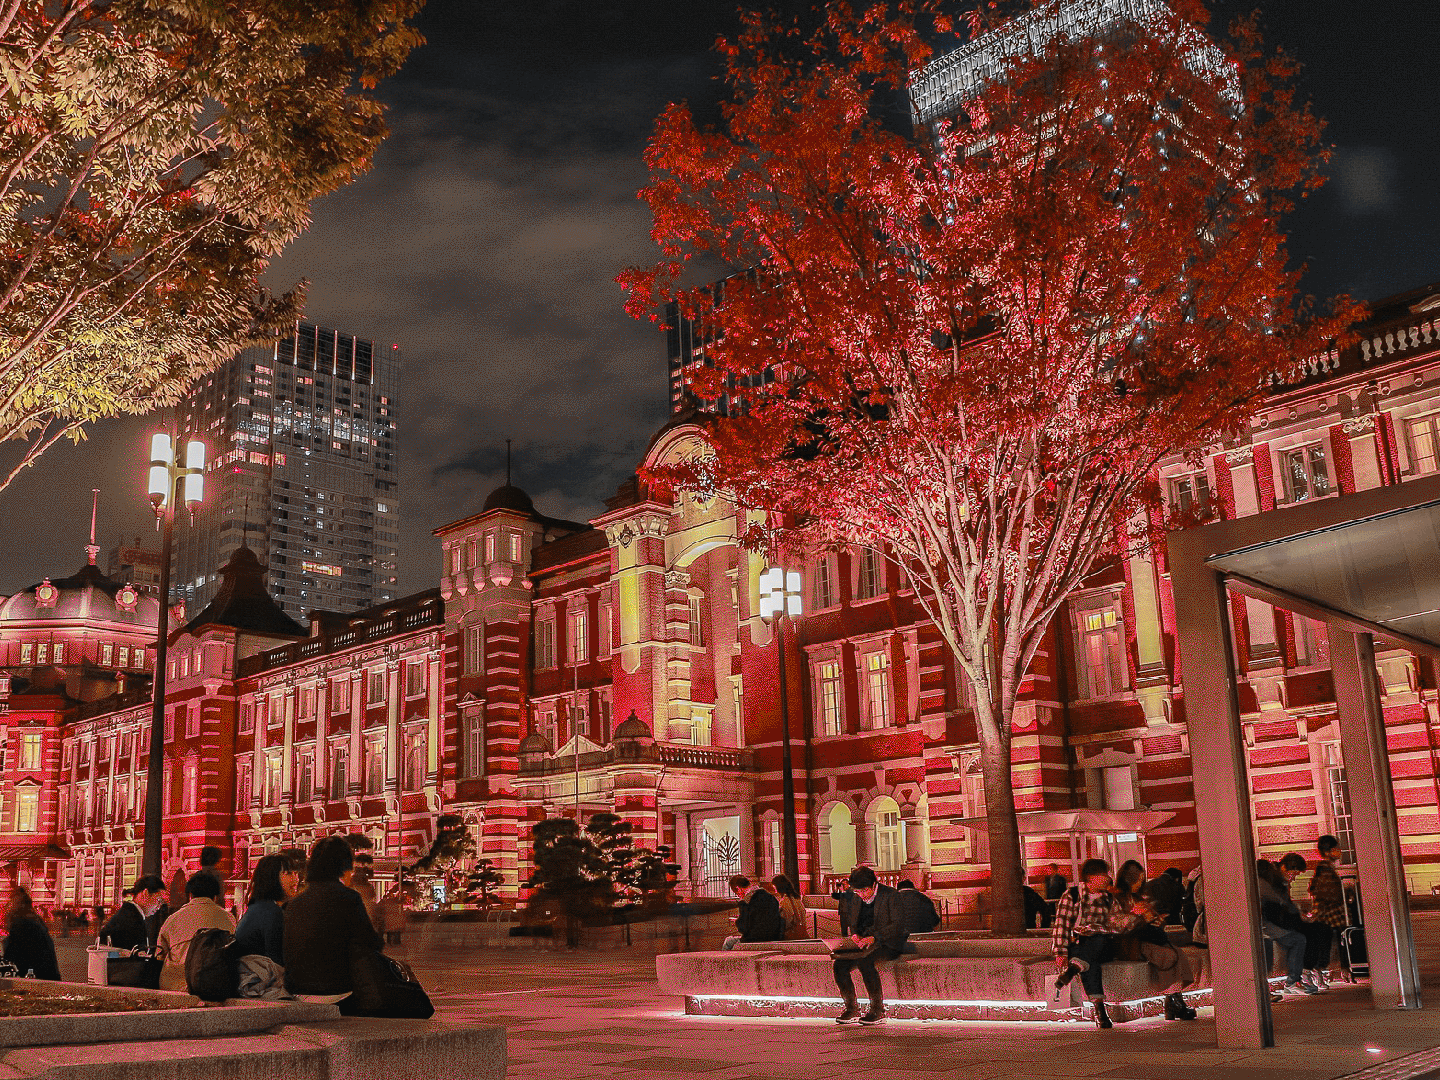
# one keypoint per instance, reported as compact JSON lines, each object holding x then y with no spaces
{"x":383,"y":986}
{"x":134,"y":969}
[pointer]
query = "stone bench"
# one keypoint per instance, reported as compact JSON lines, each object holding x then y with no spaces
{"x":947,"y":977}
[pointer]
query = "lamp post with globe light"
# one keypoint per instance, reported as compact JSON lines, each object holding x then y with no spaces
{"x":170,"y":483}
{"x":780,"y":597}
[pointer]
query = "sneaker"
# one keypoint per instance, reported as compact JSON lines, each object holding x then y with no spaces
{"x":1064,"y":978}
{"x":874,"y":1016}
{"x":1320,"y":980}
{"x":1298,"y":989}
{"x":849,"y":1016}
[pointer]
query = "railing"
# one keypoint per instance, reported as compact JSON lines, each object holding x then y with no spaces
{"x":626,"y":752}
{"x":432,"y":614}
{"x":703,"y":757}
{"x":830,"y":882}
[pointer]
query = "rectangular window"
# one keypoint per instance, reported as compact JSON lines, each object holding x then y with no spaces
{"x":696,"y":633}
{"x":414,"y":678}
{"x":877,"y":690}
{"x":515,"y":547}
{"x":27,"y":652}
{"x":475,"y":744}
{"x":192,"y":721}
{"x":42,"y":653}
{"x":1102,"y":652}
{"x":190,"y":797}
{"x":490,"y":547}
{"x":1304,"y":473}
{"x":545,"y":642}
{"x":27,"y":809}
{"x":822,"y":580}
{"x":375,"y":765}
{"x":339,"y":778}
{"x":274,"y":774}
{"x":475,"y":649}
{"x":340,"y":695}
{"x":577,"y":630}
{"x":305,"y":774}
{"x":828,"y":699}
{"x":247,"y":717}
{"x":606,"y":641}
{"x":31,"y":743}
{"x":242,"y":786}
{"x":124,"y":660}
{"x":1190,"y":494}
{"x":1424,"y":443}
{"x":871,"y":579}
{"x":415,"y":762}
{"x":59,"y":654}
{"x":307,"y":703}
{"x":376,"y":693}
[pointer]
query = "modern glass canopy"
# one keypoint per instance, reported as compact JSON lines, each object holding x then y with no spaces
{"x":1378,"y":573}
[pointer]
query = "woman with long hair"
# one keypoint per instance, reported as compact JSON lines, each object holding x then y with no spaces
{"x":262,"y":929}
{"x":792,"y":908}
{"x":1136,"y":918}
{"x":28,"y":944}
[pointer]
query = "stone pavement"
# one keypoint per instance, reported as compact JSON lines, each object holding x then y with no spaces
{"x":599,"y":1016}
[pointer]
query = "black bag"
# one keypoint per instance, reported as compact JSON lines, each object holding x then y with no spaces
{"x":383,"y":986}
{"x":212,"y":965}
{"x":137,"y":969}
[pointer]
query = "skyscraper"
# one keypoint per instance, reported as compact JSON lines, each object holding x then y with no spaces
{"x":304,"y":469}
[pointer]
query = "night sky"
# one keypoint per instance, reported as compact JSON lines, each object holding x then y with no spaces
{"x":486,"y":239}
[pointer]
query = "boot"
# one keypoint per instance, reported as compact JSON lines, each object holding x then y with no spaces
{"x":1064,"y":978}
{"x":1102,"y":1018}
{"x":1176,"y":1009}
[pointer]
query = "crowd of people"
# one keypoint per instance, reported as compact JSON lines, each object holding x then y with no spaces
{"x":1102,"y":919}
{"x":310,"y":921}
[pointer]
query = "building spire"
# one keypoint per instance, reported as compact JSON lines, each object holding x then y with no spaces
{"x":92,"y":549}
{"x":507,"y":462}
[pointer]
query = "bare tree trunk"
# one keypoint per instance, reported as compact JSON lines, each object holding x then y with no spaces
{"x":1007,"y":906}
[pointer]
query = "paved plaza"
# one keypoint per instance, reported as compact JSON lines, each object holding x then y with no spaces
{"x":599,"y":1016}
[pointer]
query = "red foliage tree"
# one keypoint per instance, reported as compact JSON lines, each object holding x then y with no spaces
{"x":984,"y":332}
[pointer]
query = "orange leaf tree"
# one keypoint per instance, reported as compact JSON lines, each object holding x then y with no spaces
{"x":983,"y":332}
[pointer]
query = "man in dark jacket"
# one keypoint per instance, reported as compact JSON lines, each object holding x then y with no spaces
{"x":759,"y":918}
{"x":877,"y":916}
{"x":920,"y":914}
{"x":325,"y":924}
{"x":128,"y":928}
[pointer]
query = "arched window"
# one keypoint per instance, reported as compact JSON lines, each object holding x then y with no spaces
{"x":842,"y":839}
{"x":889,"y":833}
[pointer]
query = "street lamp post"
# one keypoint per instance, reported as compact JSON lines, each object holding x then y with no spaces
{"x":779,"y":597}
{"x":170,"y":482}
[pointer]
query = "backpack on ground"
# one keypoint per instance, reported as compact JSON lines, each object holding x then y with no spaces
{"x":212,"y":965}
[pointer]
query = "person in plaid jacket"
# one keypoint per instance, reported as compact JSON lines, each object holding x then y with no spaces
{"x":1080,"y":937}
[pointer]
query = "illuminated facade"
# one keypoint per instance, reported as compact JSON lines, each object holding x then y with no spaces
{"x":621,"y":664}
{"x":304,"y":469}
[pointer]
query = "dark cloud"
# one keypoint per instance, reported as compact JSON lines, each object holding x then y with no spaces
{"x":487,"y":237}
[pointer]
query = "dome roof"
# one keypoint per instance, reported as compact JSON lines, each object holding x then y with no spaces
{"x":509,"y":497}
{"x":534,"y":743}
{"x":87,"y":596}
{"x":633,"y":728}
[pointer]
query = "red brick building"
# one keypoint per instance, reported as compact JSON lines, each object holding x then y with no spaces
{"x":621,"y":664}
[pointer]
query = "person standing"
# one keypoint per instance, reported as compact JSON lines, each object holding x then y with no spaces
{"x":201,"y":912}
{"x":129,"y":927}
{"x":879,"y":934}
{"x":1055,"y":882}
{"x":1079,"y":936}
{"x":1327,"y":895}
{"x":28,"y":944}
